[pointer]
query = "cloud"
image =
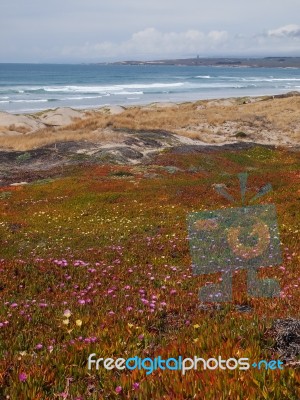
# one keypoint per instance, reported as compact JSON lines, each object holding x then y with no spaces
{"x":152,"y":42}
{"x":287,"y":31}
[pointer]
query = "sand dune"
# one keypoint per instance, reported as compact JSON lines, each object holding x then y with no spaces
{"x":268,"y":120}
{"x":12,"y":124}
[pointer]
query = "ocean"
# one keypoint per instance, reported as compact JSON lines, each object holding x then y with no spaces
{"x":27,"y":88}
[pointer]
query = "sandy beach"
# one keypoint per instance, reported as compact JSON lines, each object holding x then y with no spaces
{"x":268,"y":120}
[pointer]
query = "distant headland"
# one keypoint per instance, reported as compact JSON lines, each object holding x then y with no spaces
{"x":267,"y":62}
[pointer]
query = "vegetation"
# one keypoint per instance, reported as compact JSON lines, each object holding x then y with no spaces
{"x":95,"y":263}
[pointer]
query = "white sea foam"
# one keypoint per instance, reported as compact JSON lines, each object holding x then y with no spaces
{"x":79,"y":98}
{"x":203,"y":76}
{"x":113,"y":88}
{"x":30,"y":101}
{"x":127,"y":93}
{"x":258,"y":79}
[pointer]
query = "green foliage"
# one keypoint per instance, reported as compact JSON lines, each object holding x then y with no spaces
{"x":121,"y":173}
{"x":23,"y":157}
{"x":5,"y":195}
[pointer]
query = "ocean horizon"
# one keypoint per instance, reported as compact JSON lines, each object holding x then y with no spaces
{"x":29,"y":88}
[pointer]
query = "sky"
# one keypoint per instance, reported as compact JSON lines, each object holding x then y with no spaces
{"x":117,"y":30}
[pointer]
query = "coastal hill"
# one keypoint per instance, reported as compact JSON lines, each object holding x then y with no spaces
{"x":267,"y":62}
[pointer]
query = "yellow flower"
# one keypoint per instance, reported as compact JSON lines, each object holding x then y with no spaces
{"x":196,"y":326}
{"x":78,"y":322}
{"x":130,"y":325}
{"x":66,"y":321}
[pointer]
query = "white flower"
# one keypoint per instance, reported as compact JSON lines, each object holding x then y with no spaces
{"x":67,"y":313}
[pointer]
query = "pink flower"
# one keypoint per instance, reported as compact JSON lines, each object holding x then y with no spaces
{"x":118,"y":389}
{"x":22,"y":377}
{"x":136,"y":385}
{"x":39,"y":346}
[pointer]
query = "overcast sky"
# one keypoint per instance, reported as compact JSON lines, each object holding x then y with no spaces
{"x":108,"y":30}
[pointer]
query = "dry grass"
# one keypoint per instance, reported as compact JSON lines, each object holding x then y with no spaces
{"x":49,"y":136}
{"x":188,"y":119}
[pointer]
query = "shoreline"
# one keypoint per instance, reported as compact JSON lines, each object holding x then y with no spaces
{"x":93,"y":86}
{"x":93,"y":108}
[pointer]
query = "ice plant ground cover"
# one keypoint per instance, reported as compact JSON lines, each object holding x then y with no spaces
{"x":98,"y":262}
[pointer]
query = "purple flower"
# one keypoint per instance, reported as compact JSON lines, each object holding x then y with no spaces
{"x":136,"y":385}
{"x":22,"y":377}
{"x":118,"y":389}
{"x":39,"y":346}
